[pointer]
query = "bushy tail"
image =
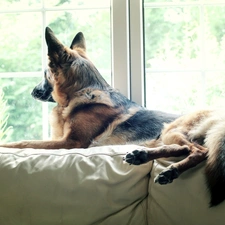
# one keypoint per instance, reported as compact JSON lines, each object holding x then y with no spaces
{"x":215,"y":166}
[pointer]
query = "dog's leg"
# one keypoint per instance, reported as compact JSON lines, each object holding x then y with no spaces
{"x":172,"y":147}
{"x":197,"y":155}
{"x":57,"y":144}
{"x":145,"y":155}
{"x":138,"y":157}
{"x":195,"y":152}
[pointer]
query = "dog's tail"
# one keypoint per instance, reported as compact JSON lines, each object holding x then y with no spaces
{"x":215,"y":166}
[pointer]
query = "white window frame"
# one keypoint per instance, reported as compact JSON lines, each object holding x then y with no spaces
{"x":120,"y":46}
{"x":127,"y":48}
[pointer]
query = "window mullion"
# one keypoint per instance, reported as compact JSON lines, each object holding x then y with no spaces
{"x":120,"y":46}
{"x":45,"y":112}
{"x":136,"y":52}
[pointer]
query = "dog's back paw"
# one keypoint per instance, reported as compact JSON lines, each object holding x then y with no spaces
{"x":167,"y":176}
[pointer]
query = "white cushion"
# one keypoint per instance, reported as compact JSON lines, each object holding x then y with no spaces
{"x":185,"y":201}
{"x":72,"y":187}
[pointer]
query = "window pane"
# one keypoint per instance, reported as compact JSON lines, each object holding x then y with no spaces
{"x":77,"y":3}
{"x":214,"y":37}
{"x":170,"y":1}
{"x":184,"y":55}
{"x":172,"y":38}
{"x":161,"y":2}
{"x":183,"y":92}
{"x":214,"y":89}
{"x":23,"y":111}
{"x":174,"y":92}
{"x":20,"y":42}
{"x":19,"y":5}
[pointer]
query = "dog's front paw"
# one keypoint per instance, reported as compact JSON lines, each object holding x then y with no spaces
{"x":136,"y":157}
{"x":167,"y":176}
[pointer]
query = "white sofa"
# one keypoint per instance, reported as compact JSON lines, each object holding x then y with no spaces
{"x":95,"y":187}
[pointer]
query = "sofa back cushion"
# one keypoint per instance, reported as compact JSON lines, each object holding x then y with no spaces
{"x":185,"y":201}
{"x":79,"y":186}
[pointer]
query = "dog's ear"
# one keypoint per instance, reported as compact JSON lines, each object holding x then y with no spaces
{"x":78,"y":42}
{"x":55,"y":47}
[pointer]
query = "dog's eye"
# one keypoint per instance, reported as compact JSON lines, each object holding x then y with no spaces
{"x":48,"y":75}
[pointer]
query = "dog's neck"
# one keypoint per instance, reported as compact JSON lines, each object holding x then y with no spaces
{"x":92,"y":80}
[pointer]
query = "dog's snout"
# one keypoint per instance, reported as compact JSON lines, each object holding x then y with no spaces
{"x":37,"y":93}
{"x":43,"y":92}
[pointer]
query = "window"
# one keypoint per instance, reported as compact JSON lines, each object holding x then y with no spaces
{"x":184,"y":54}
{"x":172,"y":56}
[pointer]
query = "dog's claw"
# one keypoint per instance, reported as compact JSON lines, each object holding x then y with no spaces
{"x":167,"y":176}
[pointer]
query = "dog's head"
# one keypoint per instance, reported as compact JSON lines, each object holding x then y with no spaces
{"x":69,"y":70}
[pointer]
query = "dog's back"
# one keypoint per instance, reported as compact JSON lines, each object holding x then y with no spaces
{"x":144,"y":125}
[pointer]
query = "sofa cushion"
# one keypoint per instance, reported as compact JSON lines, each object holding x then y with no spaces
{"x":79,"y":186}
{"x":185,"y":201}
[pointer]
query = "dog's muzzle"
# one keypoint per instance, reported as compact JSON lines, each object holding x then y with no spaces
{"x":43,"y":92}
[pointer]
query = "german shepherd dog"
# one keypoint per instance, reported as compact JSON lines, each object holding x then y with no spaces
{"x":89,"y":112}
